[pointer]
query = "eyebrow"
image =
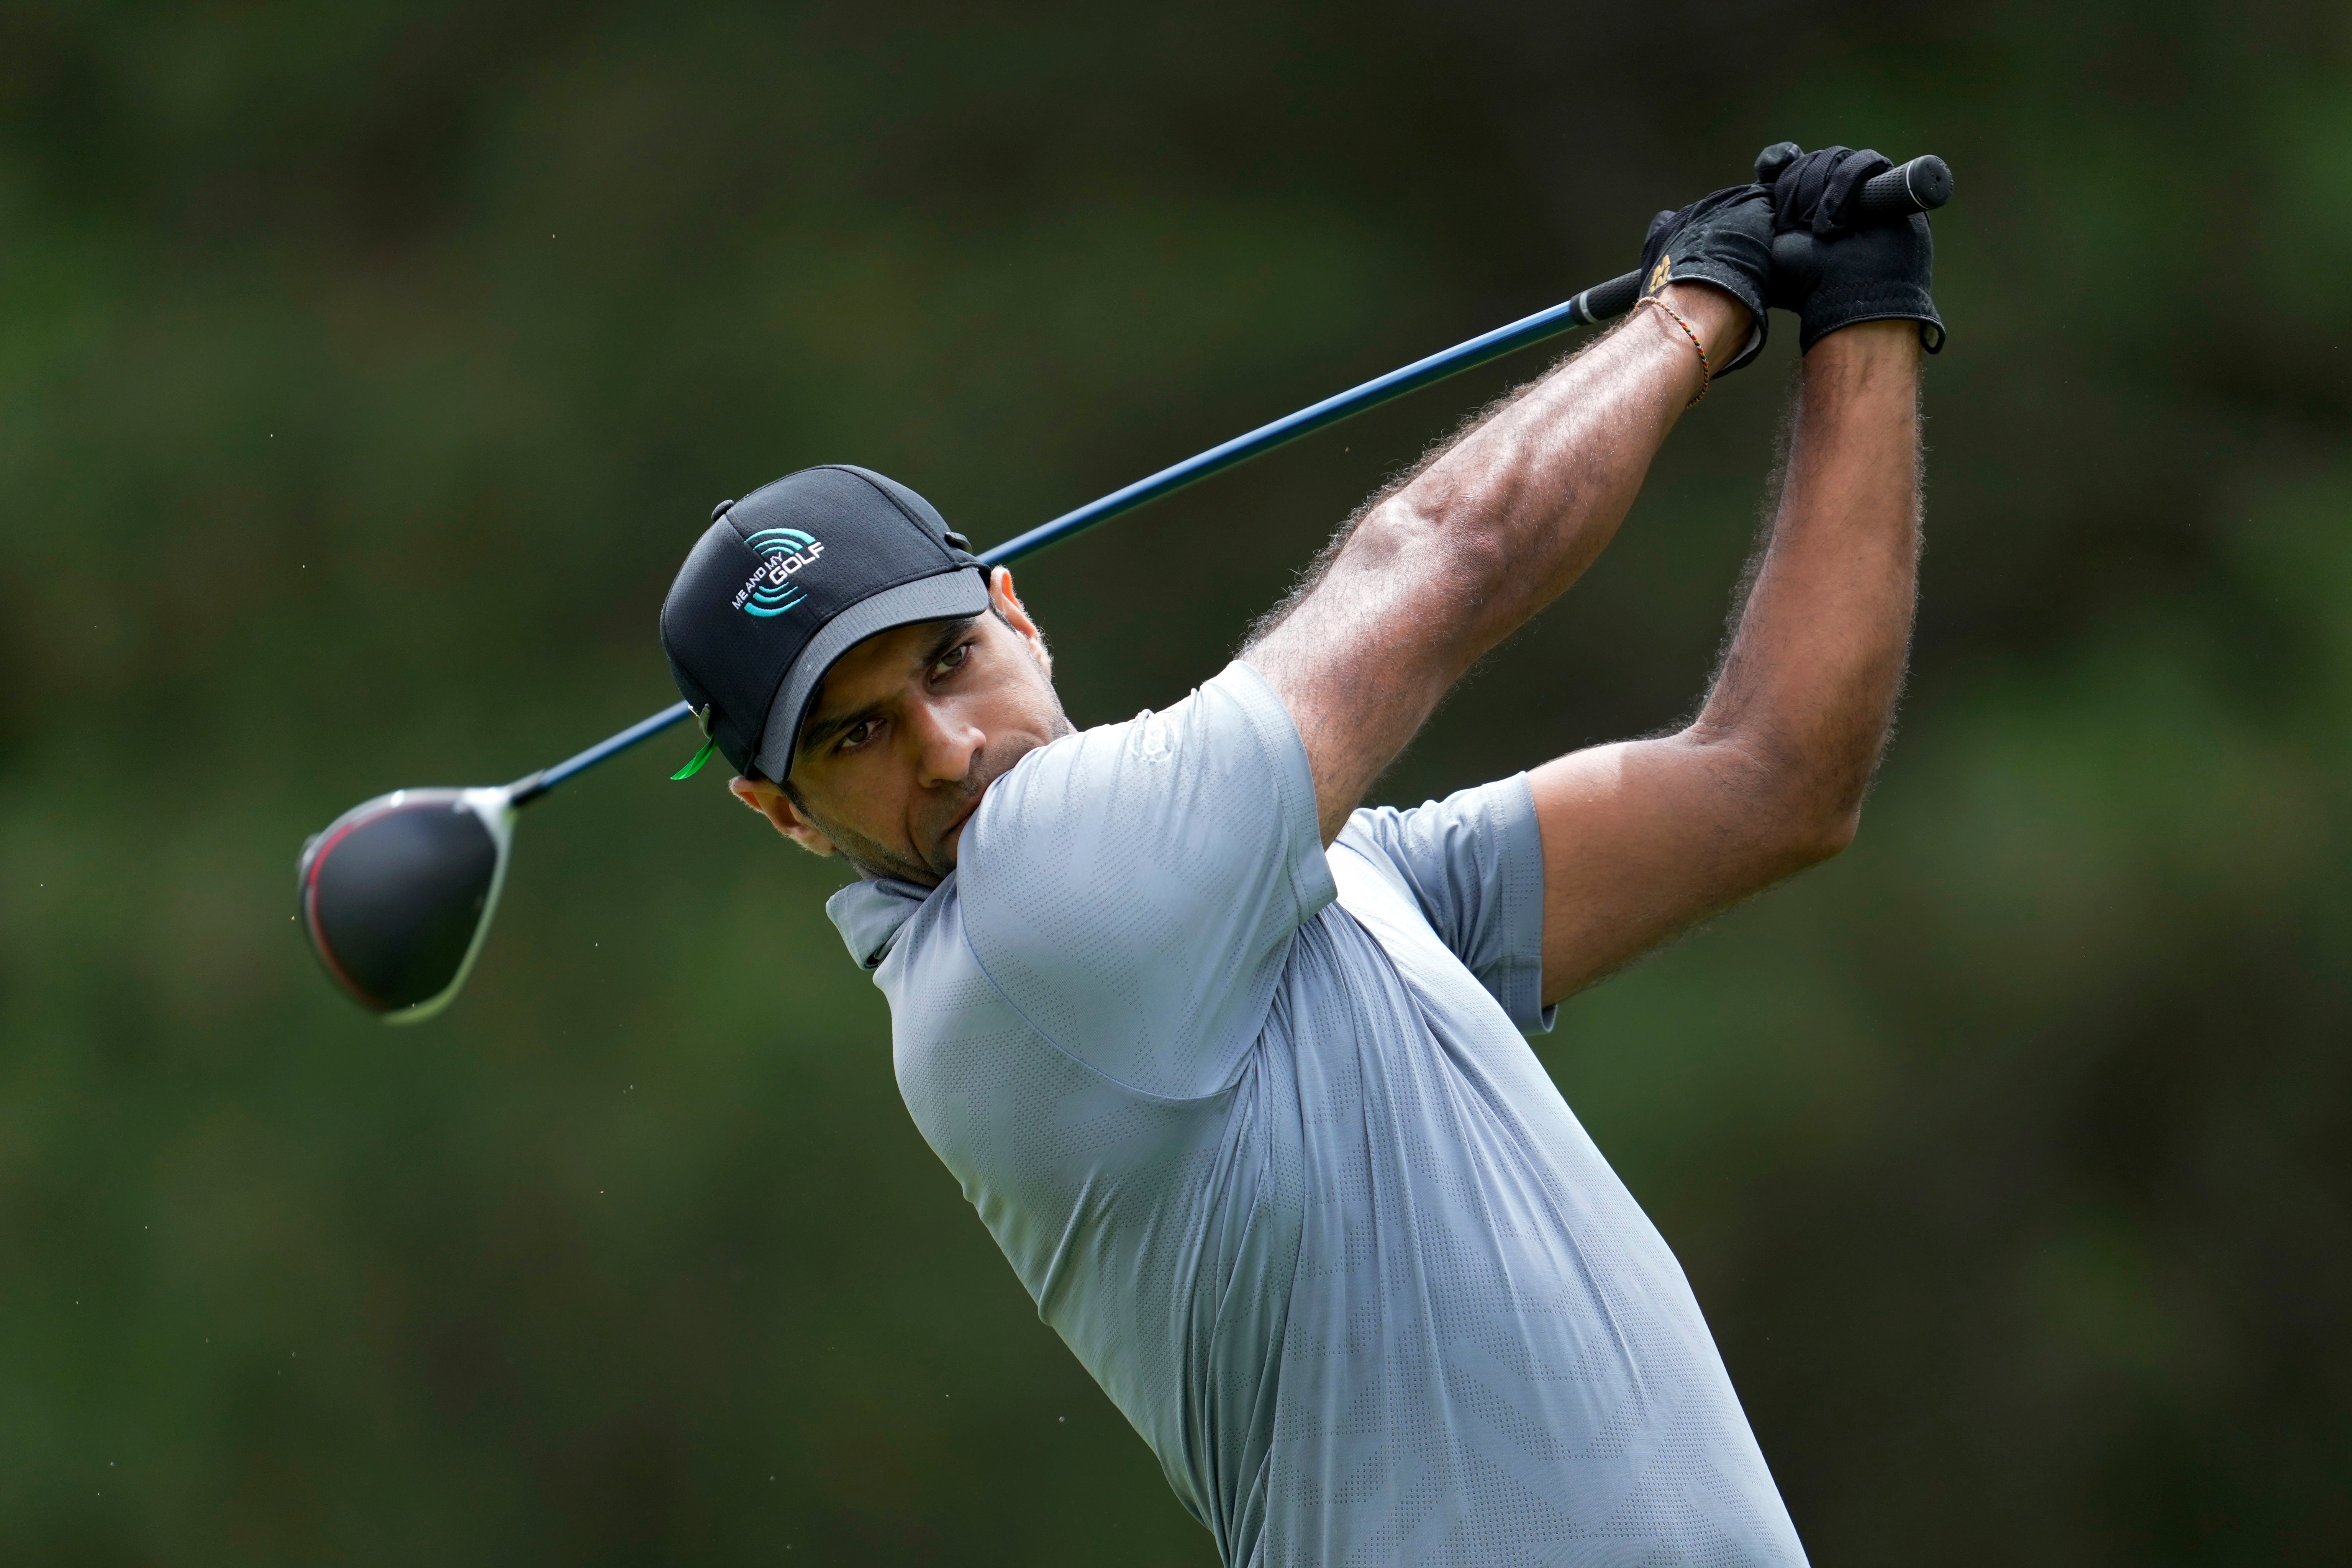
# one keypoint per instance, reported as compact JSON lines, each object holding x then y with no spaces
{"x":819,"y":731}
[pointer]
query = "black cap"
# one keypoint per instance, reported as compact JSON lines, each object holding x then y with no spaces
{"x":789,"y":579}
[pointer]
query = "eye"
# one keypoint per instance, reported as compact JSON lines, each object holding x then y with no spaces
{"x":857,"y":734}
{"x":953,"y":659}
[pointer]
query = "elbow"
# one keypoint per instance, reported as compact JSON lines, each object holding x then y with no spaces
{"x":1793,"y":809}
{"x":1805,"y":816}
{"x":1824,"y":836}
{"x":1797,"y":817}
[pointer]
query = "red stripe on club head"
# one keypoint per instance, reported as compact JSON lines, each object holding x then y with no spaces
{"x":319,"y":943}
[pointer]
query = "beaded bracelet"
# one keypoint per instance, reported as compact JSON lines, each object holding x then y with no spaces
{"x":1705,"y":372}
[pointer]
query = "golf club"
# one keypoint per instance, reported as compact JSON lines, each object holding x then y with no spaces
{"x":397,"y":893}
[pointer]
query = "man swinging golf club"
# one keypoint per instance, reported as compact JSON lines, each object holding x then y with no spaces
{"x":1232,"y":1067}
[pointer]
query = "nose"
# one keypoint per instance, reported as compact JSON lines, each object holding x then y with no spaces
{"x":946,"y":744}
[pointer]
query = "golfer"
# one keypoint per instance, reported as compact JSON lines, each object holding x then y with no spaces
{"x":1233,"y":1067}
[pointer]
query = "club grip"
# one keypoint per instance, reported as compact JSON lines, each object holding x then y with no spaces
{"x":1921,"y":186}
{"x":1614,"y":298}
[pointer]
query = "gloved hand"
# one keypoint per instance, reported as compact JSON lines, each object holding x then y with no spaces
{"x":1724,"y":238}
{"x":1832,"y":273}
{"x":1816,"y":189}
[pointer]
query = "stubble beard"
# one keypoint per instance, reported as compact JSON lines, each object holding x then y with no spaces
{"x":877,"y":861}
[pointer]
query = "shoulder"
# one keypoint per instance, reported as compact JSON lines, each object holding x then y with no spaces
{"x":1131,"y":889}
{"x":1485,"y":822}
{"x":1232,"y":731}
{"x":1210,"y":799}
{"x":1471,"y":869}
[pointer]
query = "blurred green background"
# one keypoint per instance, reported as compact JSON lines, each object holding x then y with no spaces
{"x":366,"y":369}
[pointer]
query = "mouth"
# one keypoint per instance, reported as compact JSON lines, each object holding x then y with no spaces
{"x":986,"y":771}
{"x":950,"y":838}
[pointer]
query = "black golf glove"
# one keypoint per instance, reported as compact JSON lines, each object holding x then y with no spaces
{"x":1725,"y":238}
{"x":1832,"y":273}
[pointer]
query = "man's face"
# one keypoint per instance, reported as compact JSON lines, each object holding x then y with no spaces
{"x":908,"y":730}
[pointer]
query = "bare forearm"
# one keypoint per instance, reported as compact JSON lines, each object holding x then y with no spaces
{"x":1808,"y":688}
{"x":1529,"y":500}
{"x":1493,"y":529}
{"x":1643,"y":838}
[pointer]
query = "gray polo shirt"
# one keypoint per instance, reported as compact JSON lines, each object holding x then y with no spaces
{"x":1256,"y":1125}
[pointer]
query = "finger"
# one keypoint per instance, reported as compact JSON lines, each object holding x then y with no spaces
{"x":1797,"y":196}
{"x":1771,"y":161}
{"x":1843,"y":184}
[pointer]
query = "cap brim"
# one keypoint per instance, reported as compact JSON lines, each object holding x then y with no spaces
{"x":950,"y":596}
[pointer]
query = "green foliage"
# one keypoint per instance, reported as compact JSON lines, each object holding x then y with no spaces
{"x":364,"y":371}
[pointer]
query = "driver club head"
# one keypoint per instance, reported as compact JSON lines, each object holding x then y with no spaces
{"x":396,"y":895}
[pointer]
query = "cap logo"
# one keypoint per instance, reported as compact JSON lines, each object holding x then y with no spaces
{"x":782,"y":552}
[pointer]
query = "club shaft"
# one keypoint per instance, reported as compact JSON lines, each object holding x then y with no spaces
{"x":1533,"y":329}
{"x":1592,"y":306}
{"x":523,"y":790}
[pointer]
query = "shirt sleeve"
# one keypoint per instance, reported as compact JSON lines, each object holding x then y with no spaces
{"x":1473,"y":862}
{"x":1132,"y":890}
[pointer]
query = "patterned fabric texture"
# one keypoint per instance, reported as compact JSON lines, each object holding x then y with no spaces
{"x":1255,"y":1123}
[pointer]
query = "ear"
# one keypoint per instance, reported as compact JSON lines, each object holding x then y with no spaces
{"x":777,"y":807}
{"x":1008,"y":605}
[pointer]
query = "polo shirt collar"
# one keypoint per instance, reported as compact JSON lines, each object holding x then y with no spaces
{"x":870,"y":915}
